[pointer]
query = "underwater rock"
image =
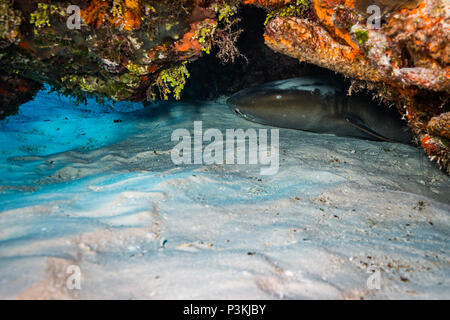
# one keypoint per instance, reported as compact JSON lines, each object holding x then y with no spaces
{"x":440,"y":125}
{"x":404,"y":61}
{"x":312,"y":104}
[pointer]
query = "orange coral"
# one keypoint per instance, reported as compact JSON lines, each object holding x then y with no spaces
{"x":287,"y":35}
{"x":132,"y":4}
{"x":152,"y":68}
{"x":98,"y":13}
{"x":131,"y":17}
{"x":95,"y":14}
{"x":189,"y":43}
{"x":325,"y":9}
{"x":431,"y":146}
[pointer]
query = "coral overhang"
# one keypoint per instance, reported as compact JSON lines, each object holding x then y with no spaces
{"x":119,"y":50}
{"x":135,"y":49}
{"x":405,"y":61}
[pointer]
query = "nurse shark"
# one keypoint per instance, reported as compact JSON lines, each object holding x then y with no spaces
{"x":313,"y":104}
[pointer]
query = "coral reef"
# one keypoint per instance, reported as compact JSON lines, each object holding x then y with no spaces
{"x":404,"y":60}
{"x":121,"y":50}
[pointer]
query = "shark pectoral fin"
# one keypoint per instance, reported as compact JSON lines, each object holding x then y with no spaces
{"x":356,"y":122}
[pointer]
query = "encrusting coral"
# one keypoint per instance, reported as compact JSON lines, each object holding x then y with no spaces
{"x":122,"y":49}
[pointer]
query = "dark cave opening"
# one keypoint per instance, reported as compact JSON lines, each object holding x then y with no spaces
{"x":210,"y":78}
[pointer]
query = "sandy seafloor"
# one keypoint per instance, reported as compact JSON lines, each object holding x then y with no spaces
{"x":77,"y":188}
